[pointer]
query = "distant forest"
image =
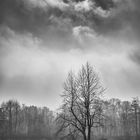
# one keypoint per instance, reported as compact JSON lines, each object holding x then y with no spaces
{"x":84,"y":114}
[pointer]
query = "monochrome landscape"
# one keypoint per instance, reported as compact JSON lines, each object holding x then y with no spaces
{"x":69,"y":70}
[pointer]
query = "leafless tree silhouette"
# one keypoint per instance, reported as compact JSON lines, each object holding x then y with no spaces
{"x":82,"y":108}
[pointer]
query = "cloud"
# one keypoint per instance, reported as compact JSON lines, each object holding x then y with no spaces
{"x":124,"y":14}
{"x":82,"y":32}
{"x":40,"y":42}
{"x":29,"y":16}
{"x":104,"y":17}
{"x":35,"y":16}
{"x":85,"y":5}
{"x":135,"y":56}
{"x":46,"y":3}
{"x":128,"y":14}
{"x":102,"y":13}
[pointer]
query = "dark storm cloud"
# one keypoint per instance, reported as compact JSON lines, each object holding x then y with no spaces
{"x":21,"y":16}
{"x":130,"y":17}
{"x":124,"y":13}
{"x":123,"y":24}
{"x":49,"y":22}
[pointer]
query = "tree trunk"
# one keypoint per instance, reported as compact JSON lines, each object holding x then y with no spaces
{"x":136,"y":120}
{"x":16,"y":121}
{"x":84,"y":136}
{"x":10,"y":122}
{"x":89,"y":133}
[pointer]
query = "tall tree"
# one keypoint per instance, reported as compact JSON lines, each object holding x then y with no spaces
{"x":82,"y":107}
{"x":125,"y":117}
{"x":9,"y":108}
{"x":135,"y":106}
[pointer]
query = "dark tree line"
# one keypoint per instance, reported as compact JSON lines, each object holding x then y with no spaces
{"x":84,"y":114}
{"x":16,"y":119}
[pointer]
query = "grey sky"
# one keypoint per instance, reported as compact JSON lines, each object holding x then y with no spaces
{"x":42,"y":40}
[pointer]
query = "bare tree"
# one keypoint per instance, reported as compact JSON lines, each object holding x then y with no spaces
{"x":11,"y":109}
{"x":135,"y":106}
{"x":82,"y":107}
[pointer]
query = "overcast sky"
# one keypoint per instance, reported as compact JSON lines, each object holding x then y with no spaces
{"x":42,"y":40}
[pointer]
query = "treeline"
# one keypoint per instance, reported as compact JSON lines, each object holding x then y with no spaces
{"x":122,"y":118}
{"x":16,"y":119}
